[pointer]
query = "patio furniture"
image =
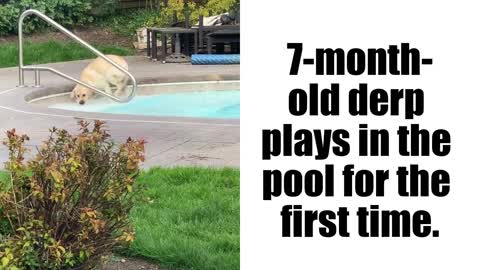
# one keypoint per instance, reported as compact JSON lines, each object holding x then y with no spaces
{"x":183,"y":37}
{"x":175,"y":32}
{"x":204,"y":30}
{"x":221,"y":37}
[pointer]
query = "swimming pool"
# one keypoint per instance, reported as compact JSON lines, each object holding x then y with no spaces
{"x":219,"y":100}
{"x":205,"y":104}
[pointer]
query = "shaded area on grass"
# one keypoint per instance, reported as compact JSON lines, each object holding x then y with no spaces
{"x":193,"y":220}
{"x":53,"y":51}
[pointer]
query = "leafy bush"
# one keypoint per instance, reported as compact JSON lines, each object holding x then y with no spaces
{"x":65,"y":12}
{"x":126,"y":22}
{"x":104,"y":7}
{"x":69,"y":206}
{"x":8,"y":18}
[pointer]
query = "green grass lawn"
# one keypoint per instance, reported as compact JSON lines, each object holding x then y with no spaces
{"x":3,"y":176}
{"x":192,"y":220}
{"x":53,"y":51}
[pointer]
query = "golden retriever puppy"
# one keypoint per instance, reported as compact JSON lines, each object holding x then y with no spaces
{"x":102,"y":75}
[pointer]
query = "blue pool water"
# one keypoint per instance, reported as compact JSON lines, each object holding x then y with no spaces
{"x":208,"y":104}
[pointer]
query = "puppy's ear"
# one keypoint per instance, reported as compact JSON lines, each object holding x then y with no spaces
{"x":90,"y":93}
{"x":72,"y":94}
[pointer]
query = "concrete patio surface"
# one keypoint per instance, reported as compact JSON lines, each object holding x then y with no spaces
{"x":172,"y":141}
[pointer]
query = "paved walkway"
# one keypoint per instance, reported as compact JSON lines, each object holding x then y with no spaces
{"x":172,"y":141}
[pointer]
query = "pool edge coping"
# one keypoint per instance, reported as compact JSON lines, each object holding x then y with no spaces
{"x":18,"y":96}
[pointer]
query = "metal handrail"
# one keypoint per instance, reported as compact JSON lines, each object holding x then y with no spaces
{"x":37,"y":69}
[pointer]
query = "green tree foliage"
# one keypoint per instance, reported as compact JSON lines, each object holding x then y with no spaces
{"x":160,"y":13}
{"x":81,"y":12}
{"x":167,"y":9}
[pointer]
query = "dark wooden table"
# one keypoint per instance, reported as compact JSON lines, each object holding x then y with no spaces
{"x":231,"y":36}
{"x":204,"y":30}
{"x":152,"y":33}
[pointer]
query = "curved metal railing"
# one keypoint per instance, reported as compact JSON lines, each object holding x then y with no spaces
{"x":37,"y":69}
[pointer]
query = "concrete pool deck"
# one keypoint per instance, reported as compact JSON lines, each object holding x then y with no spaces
{"x":172,"y":141}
